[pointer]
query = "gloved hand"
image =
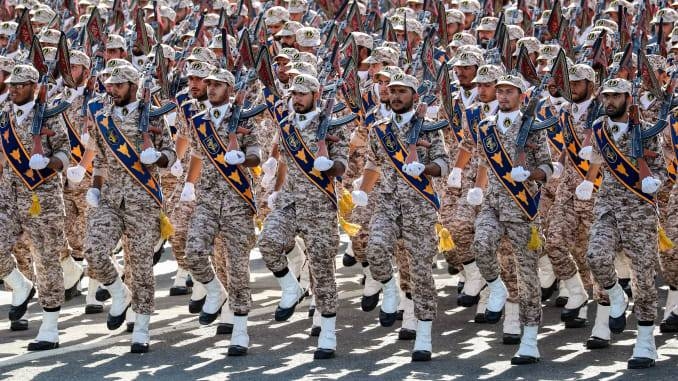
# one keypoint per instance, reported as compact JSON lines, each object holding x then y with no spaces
{"x":475,"y":196}
{"x":454,"y":179}
{"x":38,"y":162}
{"x":84,"y":138}
{"x":270,"y":165}
{"x":359,"y":197}
{"x":268,"y":180}
{"x":92,"y":197}
{"x":177,"y":169}
{"x":322,"y":163}
{"x":235,"y":157}
{"x":558,"y":169}
{"x":414,"y":169}
{"x":271,"y":200}
{"x":357,"y":183}
{"x":520,"y":174}
{"x":188,"y":193}
{"x":584,"y":190}
{"x":650,"y":185}
{"x":75,"y":174}
{"x":586,"y":153}
{"x":150,"y":156}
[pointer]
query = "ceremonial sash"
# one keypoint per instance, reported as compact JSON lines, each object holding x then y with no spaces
{"x":369,"y":103}
{"x":573,"y":146}
{"x":673,"y":165}
{"x":216,"y":151}
{"x":77,"y":148}
{"x":620,"y":166}
{"x":555,"y":132}
{"x":473,"y":118}
{"x":124,"y":152}
{"x":396,"y":153}
{"x":501,"y":165}
{"x":18,"y":158}
{"x":301,"y":155}
{"x":440,"y":55}
{"x":456,"y":120}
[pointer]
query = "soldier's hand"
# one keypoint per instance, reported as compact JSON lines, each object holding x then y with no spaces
{"x":558,"y":169}
{"x":584,"y":190}
{"x":92,"y":197}
{"x":235,"y":157}
{"x":322,"y":163}
{"x":177,"y":169}
{"x":270,"y":165}
{"x":150,"y":156}
{"x":454,"y":179}
{"x":586,"y":153}
{"x":188,"y":193}
{"x":414,"y":169}
{"x":650,"y":185}
{"x":357,"y":183}
{"x":520,"y":174}
{"x":75,"y":174}
{"x":359,"y":197}
{"x":475,"y":196}
{"x":38,"y":162}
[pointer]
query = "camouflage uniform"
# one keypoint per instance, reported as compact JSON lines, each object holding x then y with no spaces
{"x":126,"y":210}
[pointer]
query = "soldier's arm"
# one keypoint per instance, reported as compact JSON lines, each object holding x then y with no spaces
{"x":655,"y":158}
{"x":437,"y":153}
{"x":100,"y":165}
{"x":338,"y":151}
{"x":251,"y":147}
{"x":61,"y":148}
{"x":540,"y":156}
{"x":164,"y":144}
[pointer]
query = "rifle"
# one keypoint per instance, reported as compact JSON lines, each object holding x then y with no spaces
{"x":145,"y":108}
{"x":176,"y":81}
{"x":45,"y":69}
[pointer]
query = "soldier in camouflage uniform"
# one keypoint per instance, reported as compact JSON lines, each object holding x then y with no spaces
{"x":122,"y":208}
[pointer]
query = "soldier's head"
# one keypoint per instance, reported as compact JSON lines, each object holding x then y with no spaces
{"x":287,"y":35}
{"x":196,"y":73}
{"x":22,"y":83}
{"x":6,"y":66}
{"x":486,"y":82}
{"x":455,"y":21}
{"x":509,"y":90}
{"x":80,"y":63}
{"x":403,"y":92}
{"x":219,"y":86}
{"x":381,"y":81}
{"x":305,"y":92}
{"x":582,"y":82}
{"x":465,"y":67}
{"x":116,"y":47}
{"x":486,"y":30}
{"x":124,"y":83}
{"x":616,"y":97}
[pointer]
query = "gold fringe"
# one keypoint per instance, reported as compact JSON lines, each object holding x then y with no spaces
{"x":35,"y":208}
{"x":445,"y":242}
{"x":349,"y":228}
{"x":166,"y":228}
{"x":256,"y":171}
{"x":665,"y":243}
{"x":535,"y":242}
{"x":346,"y":204}
{"x":259,"y":223}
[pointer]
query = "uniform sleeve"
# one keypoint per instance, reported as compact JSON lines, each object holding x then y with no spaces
{"x":437,"y":153}
{"x":61,"y":147}
{"x":164,"y":142}
{"x":250,"y":143}
{"x":338,"y":151}
{"x":539,"y":155}
{"x":372,"y":162}
{"x":657,"y":163}
{"x":100,"y":165}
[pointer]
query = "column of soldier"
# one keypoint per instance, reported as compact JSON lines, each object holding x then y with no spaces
{"x":531,"y":143}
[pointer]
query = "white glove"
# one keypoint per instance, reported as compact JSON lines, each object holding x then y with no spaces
{"x":475,"y":196}
{"x":454,"y":179}
{"x":235,"y":157}
{"x":268,"y":180}
{"x":520,"y":174}
{"x":584,"y":190}
{"x":270,"y":165}
{"x":359,"y":198}
{"x":650,"y":185}
{"x":322,"y":163}
{"x":150,"y":156}
{"x":586,"y":153}
{"x":414,"y":169}
{"x":84,"y":138}
{"x":271,"y":200}
{"x":558,"y":169}
{"x":75,"y":174}
{"x":357,"y":183}
{"x":188,"y":193}
{"x":92,"y":197}
{"x":38,"y":162}
{"x":177,"y":169}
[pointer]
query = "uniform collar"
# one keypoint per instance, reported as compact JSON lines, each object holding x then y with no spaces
{"x":556,"y":102}
{"x":468,"y":96}
{"x":217,"y":114}
{"x":402,"y":119}
{"x":303,"y":120}
{"x":123,"y":111}
{"x":489,"y":108}
{"x":71,"y":94}
{"x":22,"y":111}
{"x":506,"y":119}
{"x":385,"y":111}
{"x":618,"y":129}
{"x":579,"y":109}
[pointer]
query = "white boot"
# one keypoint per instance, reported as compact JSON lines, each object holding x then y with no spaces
{"x":618,"y":300}
{"x":316,"y":319}
{"x":671,"y":302}
{"x":422,"y":344}
{"x":199,"y":291}
{"x":409,"y":320}
{"x":482,"y":304}
{"x":528,"y":351}
{"x":21,"y":287}
{"x":121,"y":297}
{"x":576,"y":292}
{"x":296,"y":257}
{"x":546,"y":274}
{"x":291,"y":290}
{"x":498,"y":295}
{"x":511,"y":319}
{"x":391,"y":299}
{"x":563,"y":292}
{"x":472,"y":286}
{"x":141,"y":333}
{"x":601,"y":328}
{"x":372,"y":287}
{"x":92,"y":305}
{"x":216,"y":296}
{"x":645,"y":347}
{"x":72,"y":272}
{"x":240,"y":337}
{"x":180,"y":278}
{"x":130,"y":317}
{"x":49,"y":330}
{"x":227,"y":316}
{"x":328,"y":337}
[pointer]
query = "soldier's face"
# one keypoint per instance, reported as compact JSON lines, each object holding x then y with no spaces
{"x":3,"y":41}
{"x":122,"y":93}
{"x":508,"y":97}
{"x":218,"y":93}
{"x":21,"y":93}
{"x":401,"y":98}
{"x":197,"y":88}
{"x":581,"y":90}
{"x":468,"y":19}
{"x":616,"y":104}
{"x":465,"y":74}
{"x":452,"y":28}
{"x":110,"y":54}
{"x":78,"y":73}
{"x":485,"y":36}
{"x":302,"y":102}
{"x":486,"y":92}
{"x":287,"y":41}
{"x":383,"y":90}
{"x":274,"y":28}
{"x":374,"y":69}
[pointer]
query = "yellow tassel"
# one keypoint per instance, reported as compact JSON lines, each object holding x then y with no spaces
{"x":445,"y":242}
{"x":349,"y":228}
{"x":35,"y":208}
{"x":166,"y":228}
{"x":259,"y":223}
{"x":535,"y":240}
{"x":256,"y":171}
{"x":665,"y":243}
{"x":346,"y":204}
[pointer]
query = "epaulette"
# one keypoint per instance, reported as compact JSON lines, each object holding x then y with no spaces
{"x":157,"y":112}
{"x":56,"y":110}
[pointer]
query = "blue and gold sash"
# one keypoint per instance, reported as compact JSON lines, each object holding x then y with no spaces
{"x":18,"y":158}
{"x":216,"y":151}
{"x":620,"y":166}
{"x":473,"y":118}
{"x":573,"y":146}
{"x":396,"y":153}
{"x":455,"y":123}
{"x":672,"y":168}
{"x":77,"y":148}
{"x":124,"y":152}
{"x":501,"y":165}
{"x":555,"y":132}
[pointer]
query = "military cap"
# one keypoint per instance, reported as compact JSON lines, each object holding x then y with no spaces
{"x":530,"y":43}
{"x":515,"y":80}
{"x":42,"y":15}
{"x":469,"y":6}
{"x":363,"y":39}
{"x":402,"y":79}
{"x":616,"y":85}
{"x":296,"y":6}
{"x":488,"y":24}
{"x":122,"y":74}
{"x":488,"y":74}
{"x":462,"y":38}
{"x":581,"y":72}
{"x":289,"y":29}
{"x":665,"y":15}
{"x":115,"y":41}
{"x":382,"y":55}
{"x":305,"y":84}
{"x":7,"y":28}
{"x":308,"y":37}
{"x":286,"y":53}
{"x":467,"y":58}
{"x":388,"y":72}
{"x":203,"y":54}
{"x":6,"y":64}
{"x":78,"y":57}
{"x":199,"y":69}
{"x":276,"y":15}
{"x":515,"y":32}
{"x":23,"y":74}
{"x":50,"y":36}
{"x":221,"y":75}
{"x":454,"y":16}
{"x":302,"y":68}
{"x":614,"y":6}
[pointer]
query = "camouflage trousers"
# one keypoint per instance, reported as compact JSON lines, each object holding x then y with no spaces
{"x":639,"y":241}
{"x":489,"y":233}
{"x":139,"y":227}
{"x":45,"y":235}
{"x":415,"y":226}
{"x":669,"y":258}
{"x":235,"y":228}
{"x":23,"y":256}
{"x":509,"y":274}
{"x":180,"y":215}
{"x":448,"y":202}
{"x":76,"y":214}
{"x":317,"y":226}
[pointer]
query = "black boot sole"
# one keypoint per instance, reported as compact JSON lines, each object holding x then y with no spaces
{"x":224,"y":329}
{"x":399,"y":315}
{"x":567,"y":315}
{"x":189,"y":282}
{"x":547,"y":292}
{"x":493,"y":317}
{"x":206,"y":319}
{"x":42,"y":346}
{"x":315,"y":331}
{"x":467,"y":300}
{"x":369,"y":303}
{"x":195,"y":306}
{"x":407,"y":334}
{"x":139,"y":348}
{"x":576,"y":323}
{"x":510,"y":339}
{"x":283,"y":314}
{"x":348,"y":260}
{"x":73,"y":292}
{"x":129,"y":327}
{"x":311,"y":311}
{"x":114,"y":322}
{"x":102,"y":295}
{"x":19,"y":325}
{"x":452,"y":270}
{"x":323,"y":354}
{"x":179,"y":290}
{"x":524,"y":360}
{"x":670,"y":324}
{"x":236,"y":350}
{"x":597,"y":343}
{"x":640,"y":363}
{"x":480,"y":319}
{"x":387,"y":319}
{"x":618,"y":324}
{"x":17,"y":312}
{"x":420,"y":356}
{"x":561,"y":301}
{"x":93,"y":309}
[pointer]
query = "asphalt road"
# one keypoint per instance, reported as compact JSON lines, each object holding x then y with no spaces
{"x":181,"y":349}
